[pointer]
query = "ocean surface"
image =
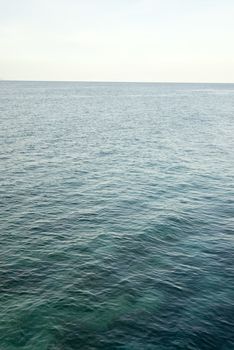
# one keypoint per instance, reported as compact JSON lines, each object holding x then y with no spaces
{"x":116,"y":216}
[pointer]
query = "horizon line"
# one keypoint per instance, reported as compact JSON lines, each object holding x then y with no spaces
{"x":114,"y":81}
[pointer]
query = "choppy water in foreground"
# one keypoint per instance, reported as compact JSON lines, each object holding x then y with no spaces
{"x":116,"y":216}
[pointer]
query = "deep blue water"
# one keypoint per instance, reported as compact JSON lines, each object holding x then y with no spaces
{"x":116,"y":219}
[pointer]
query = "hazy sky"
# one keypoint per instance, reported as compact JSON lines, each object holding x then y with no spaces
{"x":117,"y":40}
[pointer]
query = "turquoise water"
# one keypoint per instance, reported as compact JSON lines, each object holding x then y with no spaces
{"x":116,"y":216}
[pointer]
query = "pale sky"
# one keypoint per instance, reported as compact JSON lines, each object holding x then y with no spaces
{"x":117,"y":40}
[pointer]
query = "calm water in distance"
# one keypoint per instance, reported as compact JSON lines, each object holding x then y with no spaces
{"x":116,"y":216}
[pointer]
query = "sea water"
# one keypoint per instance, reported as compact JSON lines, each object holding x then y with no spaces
{"x":116,"y":216}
